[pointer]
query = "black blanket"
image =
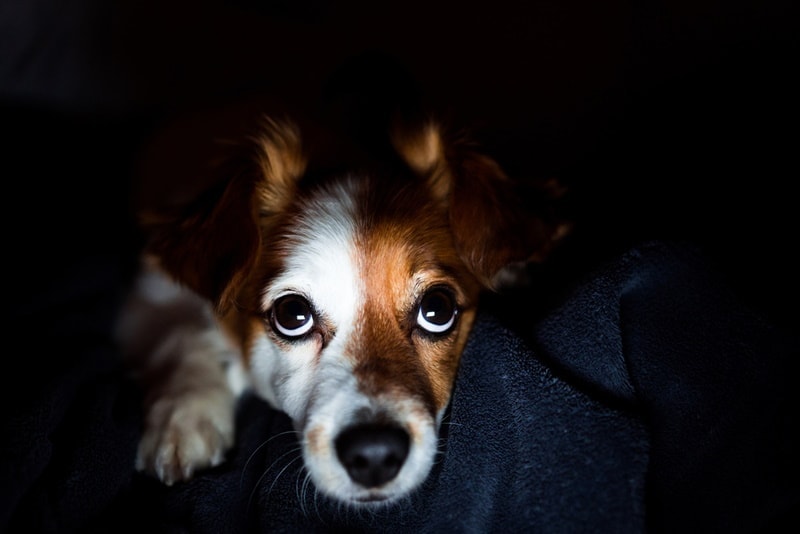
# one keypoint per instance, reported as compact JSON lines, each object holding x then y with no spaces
{"x":648,"y":399}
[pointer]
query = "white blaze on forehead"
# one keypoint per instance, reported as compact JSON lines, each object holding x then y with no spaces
{"x":322,"y":264}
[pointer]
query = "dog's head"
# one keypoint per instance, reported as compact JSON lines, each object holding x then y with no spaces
{"x":352,"y":291}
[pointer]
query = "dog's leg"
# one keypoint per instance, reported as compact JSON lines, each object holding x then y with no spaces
{"x":190,"y":373}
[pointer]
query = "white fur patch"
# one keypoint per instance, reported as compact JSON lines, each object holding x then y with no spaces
{"x":323,"y":268}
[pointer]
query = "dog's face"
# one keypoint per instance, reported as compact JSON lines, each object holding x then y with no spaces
{"x":362,"y":311}
{"x":352,"y":293}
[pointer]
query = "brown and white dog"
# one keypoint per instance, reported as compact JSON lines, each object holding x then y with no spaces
{"x":344,"y":297}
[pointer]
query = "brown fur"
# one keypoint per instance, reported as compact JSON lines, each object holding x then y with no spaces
{"x":461,"y":212}
{"x":446,"y":216}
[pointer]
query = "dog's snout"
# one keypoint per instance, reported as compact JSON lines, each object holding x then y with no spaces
{"x":372,"y":454}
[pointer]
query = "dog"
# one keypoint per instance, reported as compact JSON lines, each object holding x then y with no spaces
{"x":344,"y":296}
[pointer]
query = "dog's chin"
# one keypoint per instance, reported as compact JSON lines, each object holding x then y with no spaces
{"x":375,"y":502}
{"x":372,"y":499}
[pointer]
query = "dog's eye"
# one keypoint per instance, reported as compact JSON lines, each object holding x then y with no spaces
{"x":437,"y":311}
{"x":292,"y":316}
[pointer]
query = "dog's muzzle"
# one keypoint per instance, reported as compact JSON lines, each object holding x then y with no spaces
{"x":372,"y":454}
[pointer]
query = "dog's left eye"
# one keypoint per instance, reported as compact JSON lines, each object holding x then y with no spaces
{"x":292,"y":316}
{"x":437,"y":311}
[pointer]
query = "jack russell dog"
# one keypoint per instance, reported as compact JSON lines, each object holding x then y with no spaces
{"x":343,"y":296}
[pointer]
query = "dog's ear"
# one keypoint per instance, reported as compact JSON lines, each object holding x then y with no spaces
{"x":496,"y":228}
{"x":212,"y":244}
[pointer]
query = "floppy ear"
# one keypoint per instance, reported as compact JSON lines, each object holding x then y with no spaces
{"x":493,"y":228}
{"x":212,"y":244}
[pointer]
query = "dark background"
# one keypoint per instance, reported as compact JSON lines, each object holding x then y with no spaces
{"x":664,"y":119}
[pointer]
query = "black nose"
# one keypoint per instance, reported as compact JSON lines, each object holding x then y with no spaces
{"x":372,"y":454}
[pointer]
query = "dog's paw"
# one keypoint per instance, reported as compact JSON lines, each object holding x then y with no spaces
{"x":186,"y":433}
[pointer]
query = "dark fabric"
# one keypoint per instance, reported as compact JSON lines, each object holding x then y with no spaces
{"x":648,"y":400}
{"x":713,"y":381}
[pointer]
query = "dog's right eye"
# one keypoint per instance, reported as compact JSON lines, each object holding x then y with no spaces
{"x":437,"y":311}
{"x":292,"y":316}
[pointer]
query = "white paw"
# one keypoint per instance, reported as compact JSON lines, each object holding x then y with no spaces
{"x":186,"y":433}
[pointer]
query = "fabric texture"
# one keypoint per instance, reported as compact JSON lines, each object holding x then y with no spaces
{"x":648,"y":400}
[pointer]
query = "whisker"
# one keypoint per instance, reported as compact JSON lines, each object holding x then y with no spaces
{"x":266,"y":472}
{"x":253,"y":492}
{"x":283,"y":471}
{"x":255,"y":451}
{"x":303,"y":496}
{"x":298,"y":491}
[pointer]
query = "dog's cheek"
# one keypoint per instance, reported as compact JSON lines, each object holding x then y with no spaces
{"x":284,"y":375}
{"x":441,"y":359}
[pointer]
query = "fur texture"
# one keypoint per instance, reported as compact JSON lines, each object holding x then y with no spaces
{"x":343,"y":297}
